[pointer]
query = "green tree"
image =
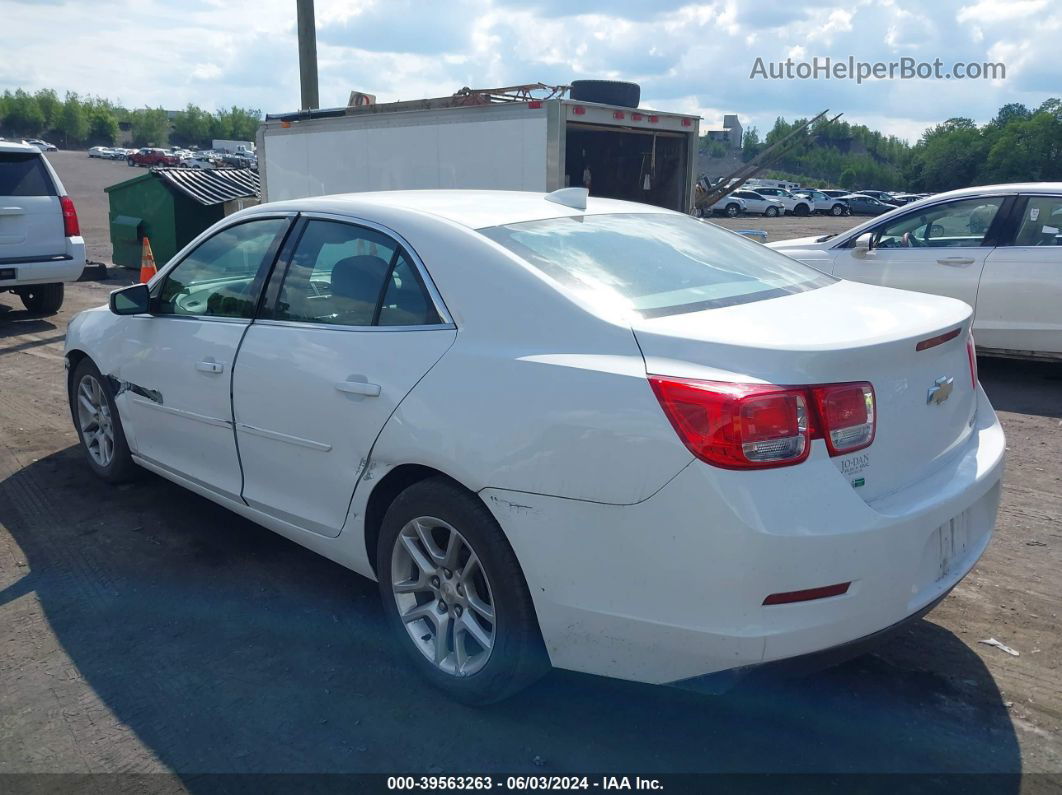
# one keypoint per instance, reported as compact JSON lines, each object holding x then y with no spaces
{"x":151,"y":126}
{"x":24,"y":115}
{"x":847,"y":179}
{"x":51,"y":107}
{"x":103,"y":124}
{"x":73,"y":123}
{"x":191,"y":126}
{"x":238,"y":124}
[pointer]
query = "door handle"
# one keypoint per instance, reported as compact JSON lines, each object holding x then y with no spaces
{"x":210,"y":367}
{"x":11,"y":211}
{"x":358,"y":388}
{"x":955,"y":261}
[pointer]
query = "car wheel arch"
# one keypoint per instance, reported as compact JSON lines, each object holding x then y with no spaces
{"x":386,"y":491}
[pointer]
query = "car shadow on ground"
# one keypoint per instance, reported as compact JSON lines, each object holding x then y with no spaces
{"x":226,"y":648}
{"x":14,"y":320}
{"x":1027,"y":387}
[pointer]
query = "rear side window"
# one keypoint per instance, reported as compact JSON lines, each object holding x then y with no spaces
{"x":348,"y":275}
{"x":654,"y":265}
{"x":24,"y":174}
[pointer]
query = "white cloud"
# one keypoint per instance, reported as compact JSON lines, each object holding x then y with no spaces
{"x":688,"y":55}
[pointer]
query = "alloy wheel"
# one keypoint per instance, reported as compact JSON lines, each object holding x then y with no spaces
{"x":94,"y":420}
{"x":443,"y":596}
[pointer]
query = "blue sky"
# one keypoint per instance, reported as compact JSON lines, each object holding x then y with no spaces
{"x":691,"y":57}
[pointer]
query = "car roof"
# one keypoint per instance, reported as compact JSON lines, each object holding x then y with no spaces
{"x":11,"y":146}
{"x":1013,"y":187}
{"x":476,"y":209}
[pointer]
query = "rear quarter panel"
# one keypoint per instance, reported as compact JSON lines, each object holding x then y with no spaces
{"x":536,"y":394}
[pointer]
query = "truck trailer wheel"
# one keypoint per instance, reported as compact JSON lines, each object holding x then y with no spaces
{"x":607,"y":92}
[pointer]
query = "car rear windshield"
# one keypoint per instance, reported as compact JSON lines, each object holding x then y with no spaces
{"x":24,"y":174}
{"x":653,"y":264}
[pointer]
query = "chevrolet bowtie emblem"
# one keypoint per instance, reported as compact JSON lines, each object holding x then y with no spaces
{"x":941,"y":390}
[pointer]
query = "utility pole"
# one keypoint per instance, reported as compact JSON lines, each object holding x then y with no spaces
{"x":307,"y":55}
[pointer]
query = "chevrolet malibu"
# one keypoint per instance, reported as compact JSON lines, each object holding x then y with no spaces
{"x":557,"y":430}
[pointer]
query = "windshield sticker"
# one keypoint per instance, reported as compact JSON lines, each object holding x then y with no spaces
{"x":1034,"y":213}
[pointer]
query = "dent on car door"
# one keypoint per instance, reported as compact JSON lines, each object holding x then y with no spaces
{"x":174,"y":379}
{"x":939,"y":249}
{"x":1018,"y":305}
{"x":349,"y":327}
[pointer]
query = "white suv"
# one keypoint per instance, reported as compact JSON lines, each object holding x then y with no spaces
{"x":40,"y":241}
{"x":793,"y":203}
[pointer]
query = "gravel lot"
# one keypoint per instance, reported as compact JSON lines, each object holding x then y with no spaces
{"x":145,"y":630}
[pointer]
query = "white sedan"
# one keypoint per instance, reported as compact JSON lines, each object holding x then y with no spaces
{"x":557,"y":430}
{"x":996,"y":247}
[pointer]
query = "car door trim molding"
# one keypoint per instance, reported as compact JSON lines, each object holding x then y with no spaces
{"x":188,"y":415}
{"x":342,"y":327}
{"x":283,"y":437}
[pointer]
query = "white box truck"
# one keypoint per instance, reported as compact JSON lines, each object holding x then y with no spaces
{"x":535,"y":145}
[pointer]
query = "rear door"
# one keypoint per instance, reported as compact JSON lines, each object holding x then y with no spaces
{"x":1019,"y":305}
{"x":31,"y":222}
{"x":940,"y":249}
{"x":350,"y":325}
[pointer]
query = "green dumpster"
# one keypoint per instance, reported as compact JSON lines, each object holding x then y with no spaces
{"x":171,"y":207}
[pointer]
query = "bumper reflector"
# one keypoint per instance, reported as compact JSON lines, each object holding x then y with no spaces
{"x":807,"y":595}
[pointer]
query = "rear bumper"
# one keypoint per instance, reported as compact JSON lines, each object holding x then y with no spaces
{"x":63,"y":266}
{"x":734,"y":678}
{"x":673,"y":587}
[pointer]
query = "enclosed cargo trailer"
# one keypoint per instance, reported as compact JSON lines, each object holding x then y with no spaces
{"x":535,"y":145}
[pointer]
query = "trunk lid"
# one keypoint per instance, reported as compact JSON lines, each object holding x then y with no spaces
{"x":844,"y":332}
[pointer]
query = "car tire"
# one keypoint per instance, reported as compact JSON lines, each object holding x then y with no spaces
{"x":732,"y":210}
{"x":802,"y":210}
{"x":607,"y":92}
{"x":452,"y":596}
{"x":771,"y":212}
{"x":42,"y":299}
{"x":94,"y":412}
{"x":129,"y":162}
{"x":837,"y":210}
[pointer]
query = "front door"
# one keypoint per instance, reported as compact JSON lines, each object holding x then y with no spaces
{"x":173,"y":386}
{"x":350,"y":332}
{"x":939,"y":249}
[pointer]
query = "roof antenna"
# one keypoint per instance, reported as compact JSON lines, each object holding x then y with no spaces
{"x":569,"y":197}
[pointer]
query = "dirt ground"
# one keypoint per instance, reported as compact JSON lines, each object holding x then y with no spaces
{"x":143,"y":630}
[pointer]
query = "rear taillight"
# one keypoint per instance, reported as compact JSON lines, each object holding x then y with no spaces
{"x":846,"y":414}
{"x":756,"y":426}
{"x":971,"y":353}
{"x":70,"y":225}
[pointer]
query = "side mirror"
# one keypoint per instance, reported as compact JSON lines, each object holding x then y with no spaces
{"x":863,"y":244}
{"x":131,"y":300}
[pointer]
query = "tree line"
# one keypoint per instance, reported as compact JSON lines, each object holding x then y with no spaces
{"x":1018,"y":145}
{"x":93,"y":121}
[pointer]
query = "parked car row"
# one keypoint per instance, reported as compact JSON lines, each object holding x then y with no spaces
{"x":110,"y":152}
{"x":149,"y":156}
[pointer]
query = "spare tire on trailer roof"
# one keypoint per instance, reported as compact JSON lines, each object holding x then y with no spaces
{"x":607,"y":92}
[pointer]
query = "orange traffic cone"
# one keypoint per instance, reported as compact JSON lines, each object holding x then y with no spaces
{"x":147,"y":262}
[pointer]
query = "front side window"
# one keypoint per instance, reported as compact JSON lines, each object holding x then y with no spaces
{"x":349,"y":275}
{"x":961,"y":223}
{"x":222,"y":276}
{"x":654,"y":264}
{"x":1041,"y":223}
